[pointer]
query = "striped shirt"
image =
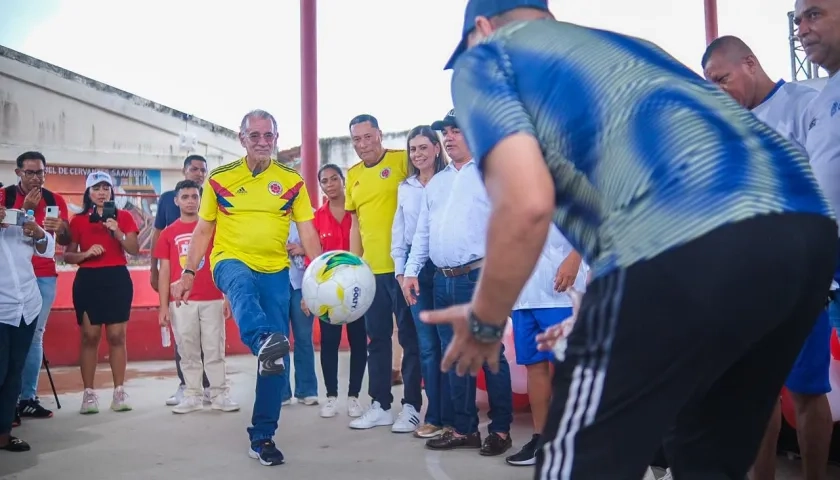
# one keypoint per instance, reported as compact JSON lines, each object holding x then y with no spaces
{"x":646,"y":155}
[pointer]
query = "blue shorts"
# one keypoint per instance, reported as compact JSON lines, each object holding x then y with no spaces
{"x":529,"y":323}
{"x":809,"y":375}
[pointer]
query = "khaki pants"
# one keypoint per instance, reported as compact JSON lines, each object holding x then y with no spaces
{"x":396,"y":363}
{"x":200,"y":325}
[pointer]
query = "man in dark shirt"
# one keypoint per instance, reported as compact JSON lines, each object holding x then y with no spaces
{"x":195,"y":169}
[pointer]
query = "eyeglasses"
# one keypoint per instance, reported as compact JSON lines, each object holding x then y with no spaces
{"x":255,"y":137}
{"x":33,"y":173}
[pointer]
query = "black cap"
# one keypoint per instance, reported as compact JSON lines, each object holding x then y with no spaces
{"x":488,"y":8}
{"x":448,"y":121}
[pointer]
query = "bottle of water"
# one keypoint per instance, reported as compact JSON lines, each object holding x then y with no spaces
{"x":165,"y":338}
{"x":30,"y":216}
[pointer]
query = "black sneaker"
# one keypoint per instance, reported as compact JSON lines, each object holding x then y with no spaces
{"x":33,"y":409}
{"x":527,"y":455}
{"x":266,"y":452}
{"x":274,"y":348}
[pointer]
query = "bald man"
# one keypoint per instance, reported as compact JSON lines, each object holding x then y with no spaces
{"x":731,"y":64}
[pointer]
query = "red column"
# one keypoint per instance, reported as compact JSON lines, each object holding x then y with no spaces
{"x":711,"y":20}
{"x":309,"y":98}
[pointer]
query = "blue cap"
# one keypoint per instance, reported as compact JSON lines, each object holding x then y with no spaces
{"x":488,"y":8}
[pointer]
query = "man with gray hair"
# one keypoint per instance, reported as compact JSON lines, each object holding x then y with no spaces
{"x":254,"y":198}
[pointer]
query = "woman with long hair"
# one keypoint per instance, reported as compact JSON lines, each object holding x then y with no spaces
{"x":102,"y":290}
{"x":425,"y":159}
{"x":333,"y":225}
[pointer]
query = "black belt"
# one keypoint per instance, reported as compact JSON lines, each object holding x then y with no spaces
{"x":462,"y":270}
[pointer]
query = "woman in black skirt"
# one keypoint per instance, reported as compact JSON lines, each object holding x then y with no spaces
{"x":102,"y":290}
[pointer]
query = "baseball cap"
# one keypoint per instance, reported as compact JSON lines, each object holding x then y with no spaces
{"x":448,"y":121}
{"x":488,"y":8}
{"x":95,"y":178}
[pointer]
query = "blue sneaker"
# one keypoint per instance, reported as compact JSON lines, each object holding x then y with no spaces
{"x":266,"y":452}
{"x":270,"y":357}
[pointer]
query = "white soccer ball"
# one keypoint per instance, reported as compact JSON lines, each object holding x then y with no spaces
{"x":338,"y":287}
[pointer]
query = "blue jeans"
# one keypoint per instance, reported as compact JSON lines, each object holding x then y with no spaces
{"x":32,"y":366}
{"x":454,"y":291}
{"x":379,"y":324}
{"x":306,"y":382}
{"x":436,"y":383}
{"x":260,"y":305}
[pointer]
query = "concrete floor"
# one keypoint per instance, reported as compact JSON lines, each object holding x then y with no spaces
{"x":152,"y":443}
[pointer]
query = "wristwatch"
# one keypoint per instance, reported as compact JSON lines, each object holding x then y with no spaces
{"x":483,"y":332}
{"x":187,"y":271}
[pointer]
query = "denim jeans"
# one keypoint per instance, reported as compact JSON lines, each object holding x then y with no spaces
{"x":260,"y":305}
{"x":379,"y":323}
{"x":436,"y":383}
{"x":32,"y":367}
{"x":14,"y":345}
{"x":453,"y":291}
{"x":306,"y":381}
{"x":330,"y":342}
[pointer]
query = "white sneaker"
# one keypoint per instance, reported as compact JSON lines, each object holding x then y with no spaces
{"x":90,"y":402}
{"x":328,"y":410}
{"x":309,"y":401}
{"x":120,"y":401}
{"x":189,"y":405}
{"x":207,"y":398}
{"x":354,"y":408}
{"x":375,"y":416}
{"x":407,"y":421}
{"x":287,"y":402}
{"x":176,"y":397}
{"x":224,"y":403}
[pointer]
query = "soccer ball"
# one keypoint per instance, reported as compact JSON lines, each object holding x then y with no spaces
{"x":338,"y":287}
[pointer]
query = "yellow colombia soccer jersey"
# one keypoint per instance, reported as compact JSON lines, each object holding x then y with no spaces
{"x":372,"y":194}
{"x":253,"y":213}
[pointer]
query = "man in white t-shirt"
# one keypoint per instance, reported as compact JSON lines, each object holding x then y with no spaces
{"x":543,"y":303}
{"x":731,"y":64}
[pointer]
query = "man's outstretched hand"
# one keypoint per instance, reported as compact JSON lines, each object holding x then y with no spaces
{"x":464,"y":351}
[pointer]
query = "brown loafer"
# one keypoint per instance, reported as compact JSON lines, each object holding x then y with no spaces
{"x":449,"y":441}
{"x":494,"y":445}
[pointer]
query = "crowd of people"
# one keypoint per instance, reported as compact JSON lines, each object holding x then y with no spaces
{"x":682,"y":209}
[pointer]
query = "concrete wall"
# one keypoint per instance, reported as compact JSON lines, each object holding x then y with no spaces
{"x":74,"y":120}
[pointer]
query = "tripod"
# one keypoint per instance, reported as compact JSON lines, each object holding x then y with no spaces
{"x":52,"y":384}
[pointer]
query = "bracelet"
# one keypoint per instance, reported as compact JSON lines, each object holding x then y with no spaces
{"x":187,"y":271}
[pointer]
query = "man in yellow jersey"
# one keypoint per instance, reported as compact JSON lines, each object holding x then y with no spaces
{"x":371,"y":200}
{"x":250,"y":209}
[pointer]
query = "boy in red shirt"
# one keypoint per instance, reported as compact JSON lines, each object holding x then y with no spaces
{"x":199,"y":324}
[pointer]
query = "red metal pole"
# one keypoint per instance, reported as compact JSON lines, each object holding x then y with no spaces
{"x":309,"y":98}
{"x":711,"y":20}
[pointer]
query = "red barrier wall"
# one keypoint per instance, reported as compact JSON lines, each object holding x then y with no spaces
{"x":61,"y":340}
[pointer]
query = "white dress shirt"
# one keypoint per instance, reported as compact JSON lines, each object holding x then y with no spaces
{"x":823,"y":142}
{"x":295,"y":273}
{"x":539,"y":291}
{"x":19,"y":294}
{"x":409,"y":199}
{"x":452,"y":227}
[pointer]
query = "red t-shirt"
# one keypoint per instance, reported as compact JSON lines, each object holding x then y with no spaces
{"x":334,"y":235}
{"x":172,"y":245}
{"x":44,"y":267}
{"x":87,"y":234}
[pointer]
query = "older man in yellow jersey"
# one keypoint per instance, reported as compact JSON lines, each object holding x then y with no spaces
{"x":371,"y":199}
{"x":250,"y":209}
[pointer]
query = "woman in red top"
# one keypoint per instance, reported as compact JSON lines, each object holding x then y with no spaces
{"x":333,"y":226}
{"x":102,"y":290}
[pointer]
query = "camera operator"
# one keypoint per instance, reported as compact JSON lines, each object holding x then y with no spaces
{"x":102,"y":291}
{"x":20,"y":303}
